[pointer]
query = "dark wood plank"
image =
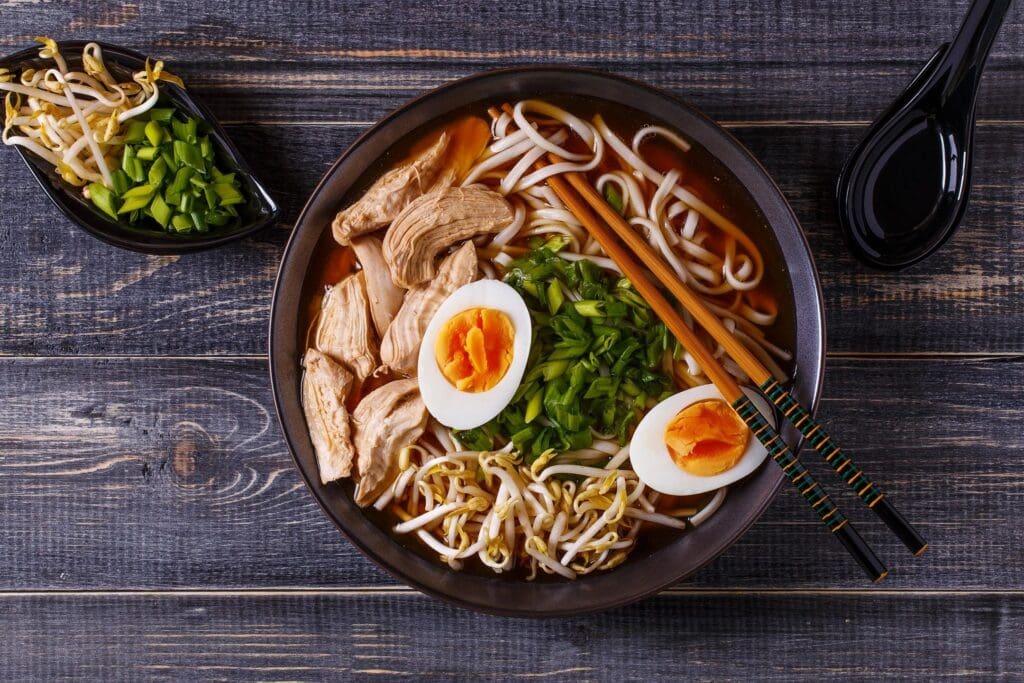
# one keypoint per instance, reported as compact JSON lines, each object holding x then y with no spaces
{"x":746,"y":60}
{"x":63,"y":293}
{"x":172,"y":474}
{"x":386,"y":636}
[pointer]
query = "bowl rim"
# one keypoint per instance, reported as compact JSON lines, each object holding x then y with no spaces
{"x":155,"y":243}
{"x":412,"y":570}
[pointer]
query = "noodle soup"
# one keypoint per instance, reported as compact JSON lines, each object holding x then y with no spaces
{"x":544,"y":486}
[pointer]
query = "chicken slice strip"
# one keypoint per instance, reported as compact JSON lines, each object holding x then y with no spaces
{"x":385,"y":421}
{"x":345,"y":331}
{"x":431,"y":224}
{"x":325,"y":386}
{"x":401,"y":344}
{"x":392,"y":192}
{"x":385,"y":297}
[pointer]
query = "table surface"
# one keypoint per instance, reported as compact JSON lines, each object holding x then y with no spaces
{"x":153,"y":522}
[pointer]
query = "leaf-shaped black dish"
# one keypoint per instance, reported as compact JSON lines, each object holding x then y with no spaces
{"x":259,"y":210}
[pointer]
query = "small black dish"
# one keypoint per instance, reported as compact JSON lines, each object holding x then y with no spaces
{"x":258,"y":212}
{"x":903,"y":192}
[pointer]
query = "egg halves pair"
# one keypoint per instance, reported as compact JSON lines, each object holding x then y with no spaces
{"x":472,"y":360}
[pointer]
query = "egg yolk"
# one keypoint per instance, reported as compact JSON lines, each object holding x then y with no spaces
{"x":474,"y":349}
{"x":706,"y":438}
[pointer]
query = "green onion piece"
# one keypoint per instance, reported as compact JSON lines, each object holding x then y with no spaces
{"x":533,"y":406}
{"x":199,"y":220}
{"x":160,"y":211}
{"x":206,"y":148}
{"x":135,"y":170}
{"x":189,"y":155}
{"x":168,"y":158}
{"x":199,"y":182}
{"x":181,"y":179}
{"x":228,"y":193}
{"x":185,"y":130}
{"x":157,"y":172}
{"x":186,"y":203}
{"x":218,"y":219}
{"x":612,"y":196}
{"x":211,"y":196}
{"x":134,"y":203}
{"x":139,"y":191}
{"x":590,"y":308}
{"x":147,"y":153}
{"x":136,"y":132}
{"x":154,"y":133}
{"x":103,"y":199}
{"x":555,"y":296}
{"x":161,"y":114}
{"x":119,"y":180}
{"x":181,"y":223}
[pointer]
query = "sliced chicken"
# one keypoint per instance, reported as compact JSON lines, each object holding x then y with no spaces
{"x":392,"y":192}
{"x":346,"y":331}
{"x":325,"y":386}
{"x":401,"y":343}
{"x":385,"y":297}
{"x":436,"y":221}
{"x":385,"y":421}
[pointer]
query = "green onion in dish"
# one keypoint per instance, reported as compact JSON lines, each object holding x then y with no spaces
{"x":169,"y":176}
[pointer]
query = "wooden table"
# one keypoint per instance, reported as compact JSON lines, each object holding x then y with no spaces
{"x":153,"y":522}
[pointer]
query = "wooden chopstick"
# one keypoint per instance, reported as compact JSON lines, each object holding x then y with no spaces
{"x":791,"y":466}
{"x":771,"y":387}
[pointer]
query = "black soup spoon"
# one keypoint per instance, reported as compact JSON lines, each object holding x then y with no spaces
{"x":903,"y":191}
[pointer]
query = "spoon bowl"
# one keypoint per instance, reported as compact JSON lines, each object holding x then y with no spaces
{"x":903,"y":192}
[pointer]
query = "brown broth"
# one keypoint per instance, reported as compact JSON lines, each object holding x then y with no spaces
{"x":703,"y":174}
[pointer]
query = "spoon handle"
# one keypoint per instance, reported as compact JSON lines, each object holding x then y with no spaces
{"x":843,"y":465}
{"x":800,"y":477}
{"x":969,"y":49}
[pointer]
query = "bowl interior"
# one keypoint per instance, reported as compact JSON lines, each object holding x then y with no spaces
{"x":259,"y":210}
{"x":645,"y":572}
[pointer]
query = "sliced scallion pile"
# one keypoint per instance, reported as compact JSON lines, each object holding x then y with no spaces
{"x":169,"y":174}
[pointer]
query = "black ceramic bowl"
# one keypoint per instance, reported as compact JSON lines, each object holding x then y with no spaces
{"x":259,"y":211}
{"x":641,"y":575}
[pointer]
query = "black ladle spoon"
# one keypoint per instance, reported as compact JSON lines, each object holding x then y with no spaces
{"x":903,"y":191}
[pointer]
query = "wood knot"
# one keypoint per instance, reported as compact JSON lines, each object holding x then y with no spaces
{"x":192,"y":460}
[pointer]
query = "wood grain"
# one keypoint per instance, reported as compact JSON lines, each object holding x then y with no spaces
{"x":756,"y":62}
{"x":398,"y":637}
{"x":155,"y":527}
{"x":139,"y":473}
{"x":63,"y":293}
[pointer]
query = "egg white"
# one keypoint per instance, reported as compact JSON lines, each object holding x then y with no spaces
{"x":653,"y":463}
{"x":467,"y":409}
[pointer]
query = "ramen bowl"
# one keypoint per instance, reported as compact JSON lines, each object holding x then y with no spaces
{"x":648,"y":570}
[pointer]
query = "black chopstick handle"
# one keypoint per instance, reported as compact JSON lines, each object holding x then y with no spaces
{"x":843,"y":464}
{"x":812,"y":492}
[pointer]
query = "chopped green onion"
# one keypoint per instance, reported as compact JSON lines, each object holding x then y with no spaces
{"x":119,"y":181}
{"x":147,"y":153}
{"x":228,"y":193}
{"x":103,"y":199}
{"x":161,"y":114}
{"x":612,"y":196}
{"x":157,"y":172}
{"x":136,"y":132}
{"x":154,"y":133}
{"x":160,"y":211}
{"x":181,"y":223}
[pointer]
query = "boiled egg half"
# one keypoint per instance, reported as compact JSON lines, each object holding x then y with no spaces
{"x":474,"y":353}
{"x":693,"y":442}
